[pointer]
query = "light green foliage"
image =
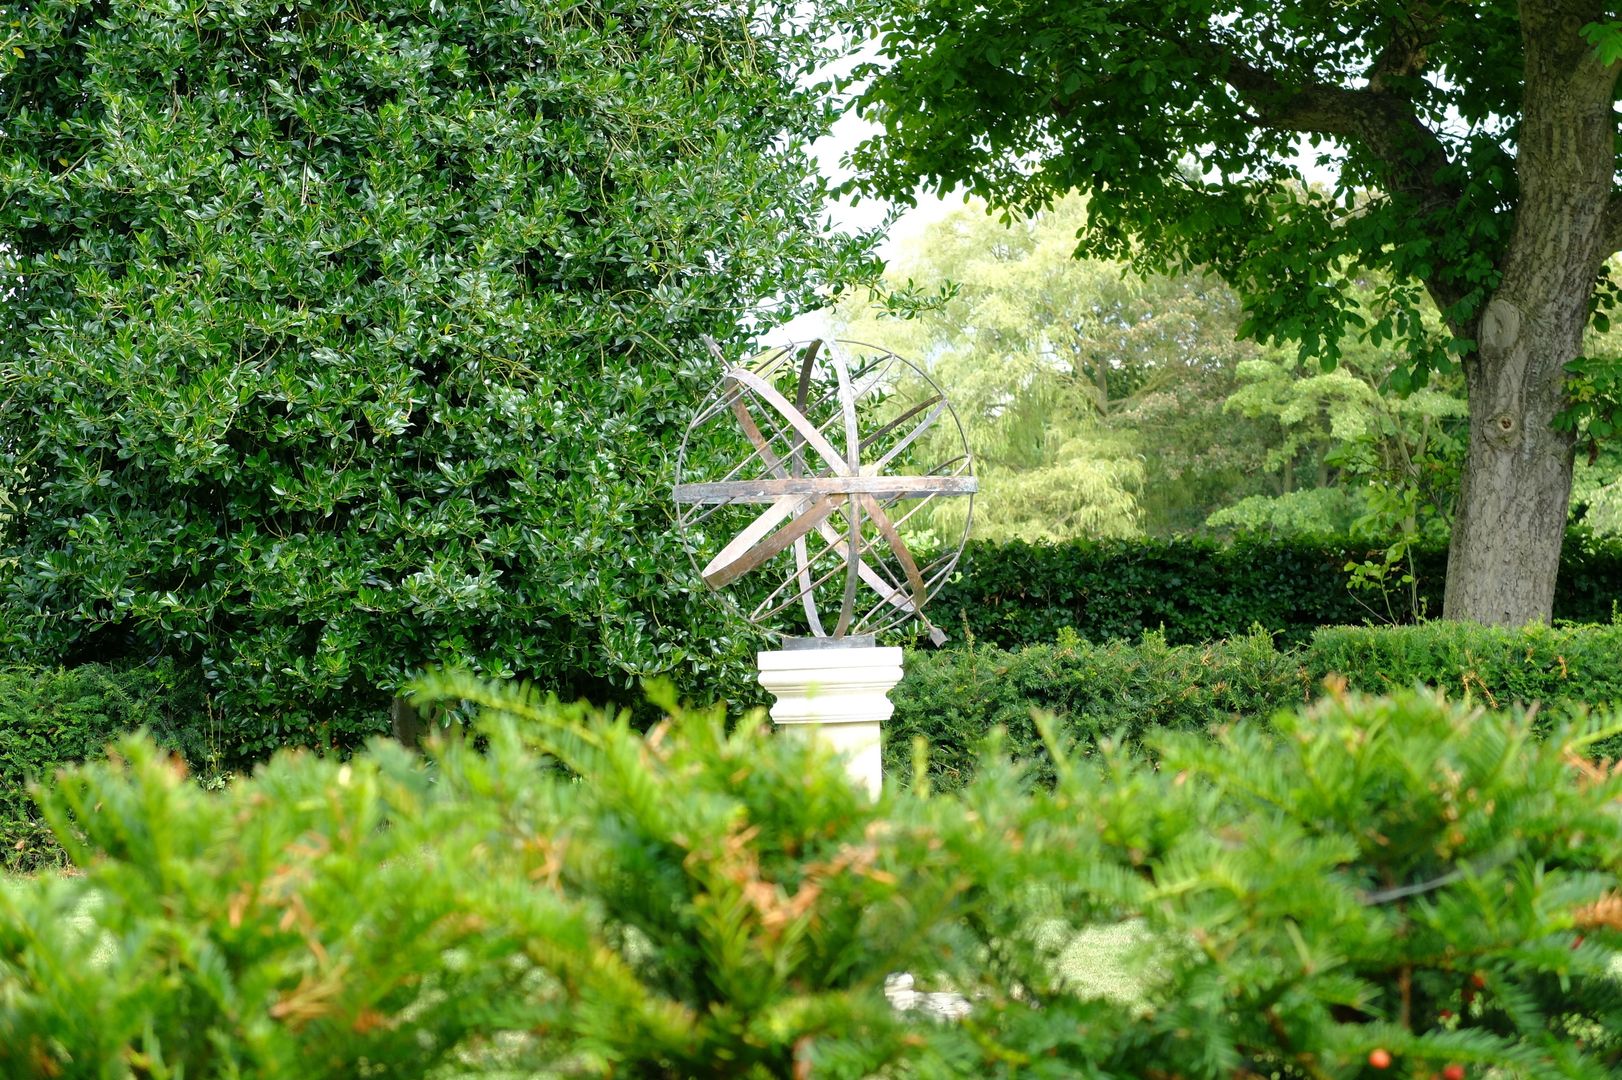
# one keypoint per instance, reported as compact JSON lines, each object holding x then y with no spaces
{"x":1596,"y":491}
{"x":342,"y":340}
{"x":286,"y":927}
{"x":1606,"y":37}
{"x":1387,"y":465}
{"x":1088,"y":487}
{"x":1346,"y":429}
{"x":566,"y":896}
{"x":1596,"y":412}
{"x":1304,"y":512}
{"x":745,"y":900}
{"x":1091,"y":396}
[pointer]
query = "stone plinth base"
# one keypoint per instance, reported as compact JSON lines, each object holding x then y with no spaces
{"x":838,"y":696}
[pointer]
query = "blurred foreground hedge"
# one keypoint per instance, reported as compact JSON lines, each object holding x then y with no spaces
{"x":567,"y":897}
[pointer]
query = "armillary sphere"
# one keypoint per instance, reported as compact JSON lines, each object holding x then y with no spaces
{"x":822,"y":458}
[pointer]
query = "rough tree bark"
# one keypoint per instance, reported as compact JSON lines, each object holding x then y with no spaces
{"x":1512,"y":505}
{"x":407,"y":724}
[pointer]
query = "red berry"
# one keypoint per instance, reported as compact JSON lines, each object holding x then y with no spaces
{"x":1453,"y":1072}
{"x":1479,"y":981}
{"x":1380,"y":1059}
{"x":1445,"y":1014}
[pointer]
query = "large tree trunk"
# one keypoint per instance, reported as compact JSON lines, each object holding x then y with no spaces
{"x":1511,"y":514}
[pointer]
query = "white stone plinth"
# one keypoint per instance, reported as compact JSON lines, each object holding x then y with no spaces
{"x":838,"y":696}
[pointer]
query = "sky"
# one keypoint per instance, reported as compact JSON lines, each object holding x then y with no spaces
{"x":846,"y":133}
{"x":843,"y":217}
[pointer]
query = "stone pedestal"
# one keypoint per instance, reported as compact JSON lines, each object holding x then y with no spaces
{"x":835,"y":691}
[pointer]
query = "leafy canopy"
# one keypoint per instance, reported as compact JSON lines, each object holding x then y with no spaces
{"x":1181,"y":120}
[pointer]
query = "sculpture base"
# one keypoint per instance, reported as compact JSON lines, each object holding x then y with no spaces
{"x":837,"y":695}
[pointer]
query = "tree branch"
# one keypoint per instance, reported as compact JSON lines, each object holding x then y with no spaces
{"x":1380,"y":117}
{"x":1406,"y":51}
{"x":1384,"y":122}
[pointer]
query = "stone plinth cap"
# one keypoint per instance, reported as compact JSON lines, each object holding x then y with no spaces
{"x":832,"y":661}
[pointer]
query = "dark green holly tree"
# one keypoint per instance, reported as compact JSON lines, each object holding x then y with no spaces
{"x":1472,"y":150}
{"x":342,"y":338}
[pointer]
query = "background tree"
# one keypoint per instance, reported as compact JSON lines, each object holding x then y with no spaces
{"x":1342,"y":428}
{"x":1596,"y":493}
{"x":1092,"y":399}
{"x":340,"y":339}
{"x":1473,"y":149}
{"x":1356,"y":461}
{"x":1388,"y":465}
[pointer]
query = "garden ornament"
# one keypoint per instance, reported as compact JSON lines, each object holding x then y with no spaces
{"x":829,"y":453}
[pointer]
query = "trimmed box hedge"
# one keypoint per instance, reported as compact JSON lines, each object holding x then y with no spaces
{"x":954,"y":698}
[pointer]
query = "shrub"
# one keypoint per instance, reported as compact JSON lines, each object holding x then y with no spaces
{"x":955,"y":697}
{"x":1402,"y":876}
{"x":704,"y":904}
{"x":1492,"y":665}
{"x":564,"y":895}
{"x":343,"y":339}
{"x":51,"y":718}
{"x":1197,"y":590}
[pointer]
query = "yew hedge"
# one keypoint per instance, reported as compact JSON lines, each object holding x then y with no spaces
{"x":1131,"y":690}
{"x":1404,"y":882}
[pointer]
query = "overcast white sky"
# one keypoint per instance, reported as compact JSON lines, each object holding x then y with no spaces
{"x":847,"y":132}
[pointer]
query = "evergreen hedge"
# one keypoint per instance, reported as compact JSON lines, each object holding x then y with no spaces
{"x":1395,"y":883}
{"x":952,"y":698}
{"x":1199,"y":589}
{"x":55,"y":717}
{"x":1561,"y":665}
{"x":342,"y":340}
